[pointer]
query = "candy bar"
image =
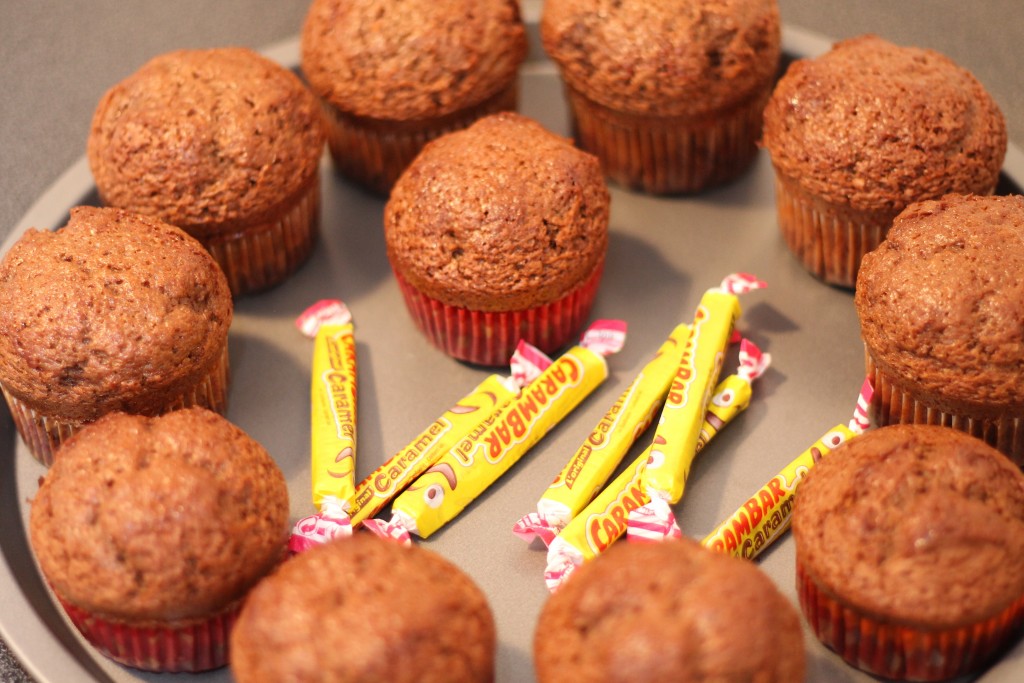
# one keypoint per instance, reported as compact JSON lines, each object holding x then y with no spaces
{"x":467,"y":470}
{"x":766,"y":515}
{"x":601,"y":452}
{"x":607,"y":517}
{"x":681,"y":417}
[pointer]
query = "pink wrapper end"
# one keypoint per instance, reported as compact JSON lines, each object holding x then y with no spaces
{"x":753,"y":362}
{"x":321,"y":313}
{"x":318,"y":529}
{"x":392,"y":530}
{"x":861,"y":420}
{"x":527,"y":363}
{"x":534,"y":525}
{"x":652,"y":522}
{"x":605,"y":337}
{"x":740,"y":283}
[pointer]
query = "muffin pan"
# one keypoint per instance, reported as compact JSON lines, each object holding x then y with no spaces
{"x":664,"y":252}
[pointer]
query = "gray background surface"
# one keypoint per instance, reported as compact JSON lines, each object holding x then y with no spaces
{"x":58,"y":57}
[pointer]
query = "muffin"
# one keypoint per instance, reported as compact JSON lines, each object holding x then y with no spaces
{"x":498,"y":233}
{"x":909,"y":544}
{"x":857,"y":134}
{"x":391,"y":77}
{"x":365,"y":609}
{"x":668,"y":94}
{"x":941,"y":309}
{"x":668,"y":611}
{"x":224,"y":144}
{"x":114,"y":311}
{"x":151,"y":530}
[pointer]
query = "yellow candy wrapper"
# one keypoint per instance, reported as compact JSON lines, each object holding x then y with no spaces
{"x":466,"y":471}
{"x":601,"y":452}
{"x":766,"y":515}
{"x":681,"y":417}
{"x":440,"y":436}
{"x":612,"y":513}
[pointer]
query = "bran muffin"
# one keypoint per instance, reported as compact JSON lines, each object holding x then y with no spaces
{"x":114,"y":311}
{"x":668,"y":94}
{"x":909,"y":544}
{"x":498,"y":233}
{"x":223,"y":143}
{"x":391,"y":76}
{"x":150,"y":530}
{"x":668,"y":611}
{"x":365,"y":609}
{"x":860,"y":132}
{"x":941,"y":309}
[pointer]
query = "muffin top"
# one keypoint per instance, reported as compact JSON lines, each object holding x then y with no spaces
{"x":501,"y":216}
{"x":917,"y":524}
{"x":207,"y":140}
{"x":877,"y":126}
{"x":669,"y":611}
{"x":114,"y":311}
{"x":941,"y":303}
{"x":664,"y":57}
{"x":365,"y":609}
{"x":410,"y":60}
{"x":164,"y":518}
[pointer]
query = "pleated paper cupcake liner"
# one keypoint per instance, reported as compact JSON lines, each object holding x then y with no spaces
{"x":904,"y":652}
{"x":187,"y":646}
{"x":373,"y":153}
{"x":489,"y":338}
{"x":829,"y":240}
{"x":892,"y":404}
{"x":671,"y":154}
{"x":260,"y":256}
{"x":43,"y":434}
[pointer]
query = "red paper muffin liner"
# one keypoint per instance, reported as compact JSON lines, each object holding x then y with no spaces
{"x":894,"y":405}
{"x":903,"y":652}
{"x":260,"y":256}
{"x":374,"y":152}
{"x":43,"y":434}
{"x":830,"y":240}
{"x":669,"y":154}
{"x":489,"y":338}
{"x":187,"y":646}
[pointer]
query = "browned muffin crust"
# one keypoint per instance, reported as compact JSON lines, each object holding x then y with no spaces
{"x":664,"y":57}
{"x":207,"y":140}
{"x":671,"y":611}
{"x":418,"y":59}
{"x":114,"y":311}
{"x":365,"y":609}
{"x":915,"y":524}
{"x":161,"y":518}
{"x":501,"y":216}
{"x":876,"y":126}
{"x":941,"y":303}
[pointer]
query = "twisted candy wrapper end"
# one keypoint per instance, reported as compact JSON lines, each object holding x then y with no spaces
{"x":331,"y":522}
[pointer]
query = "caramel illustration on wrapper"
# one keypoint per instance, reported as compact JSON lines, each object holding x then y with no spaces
{"x":440,"y":436}
{"x":767,"y":514}
{"x":610,"y":514}
{"x":595,"y":460}
{"x":682,"y":415}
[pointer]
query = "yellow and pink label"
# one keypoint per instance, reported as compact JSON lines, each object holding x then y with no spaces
{"x":682,"y":415}
{"x":333,"y":414}
{"x":767,"y":514}
{"x":440,"y":436}
{"x":601,"y":452}
{"x":604,"y":520}
{"x":491,"y":449}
